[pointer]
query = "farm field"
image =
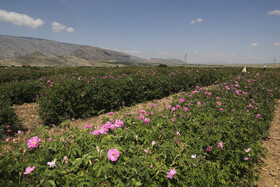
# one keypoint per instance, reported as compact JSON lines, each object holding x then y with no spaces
{"x":111,"y":127}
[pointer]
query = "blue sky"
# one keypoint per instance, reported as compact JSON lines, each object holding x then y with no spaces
{"x":209,"y":31}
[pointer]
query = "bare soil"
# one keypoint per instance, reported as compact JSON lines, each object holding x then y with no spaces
{"x":270,"y":173}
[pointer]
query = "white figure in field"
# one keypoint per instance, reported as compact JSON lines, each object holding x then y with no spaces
{"x":244,"y":70}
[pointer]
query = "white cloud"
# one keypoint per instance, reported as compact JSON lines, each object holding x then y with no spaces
{"x":277,"y":44}
{"x":254,"y":44}
{"x":58,"y":27}
{"x":127,"y":51}
{"x":20,"y":19}
{"x":274,"y":12}
{"x":70,"y":29}
{"x":198,"y":20}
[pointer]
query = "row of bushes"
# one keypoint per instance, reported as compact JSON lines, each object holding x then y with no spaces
{"x":23,"y":85}
{"x":211,"y":138}
{"x":74,"y":98}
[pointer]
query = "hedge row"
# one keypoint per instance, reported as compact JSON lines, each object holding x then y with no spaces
{"x":87,"y":96}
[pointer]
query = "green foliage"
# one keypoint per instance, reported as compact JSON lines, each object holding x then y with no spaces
{"x":238,"y":117}
{"x":9,"y":122}
{"x":87,"y":95}
{"x":20,"y":92}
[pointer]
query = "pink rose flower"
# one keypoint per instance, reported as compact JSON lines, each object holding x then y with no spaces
{"x":185,"y":109}
{"x":142,"y":112}
{"x":119,"y":123}
{"x":181,"y":100}
{"x":28,"y":170}
{"x":96,"y":132}
{"x":220,"y":145}
{"x":147,"y":120}
{"x":141,"y":117}
{"x":171,"y":173}
{"x":33,"y":142}
{"x":87,"y":126}
{"x":113,"y":154}
{"x":208,"y":149}
{"x":237,"y":92}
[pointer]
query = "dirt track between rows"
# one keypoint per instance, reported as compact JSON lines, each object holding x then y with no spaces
{"x":270,"y":173}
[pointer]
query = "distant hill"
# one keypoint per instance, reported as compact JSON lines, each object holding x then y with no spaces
{"x":11,"y":46}
{"x":97,"y":54}
{"x":38,"y":59}
{"x":166,"y":61}
{"x":33,"y":51}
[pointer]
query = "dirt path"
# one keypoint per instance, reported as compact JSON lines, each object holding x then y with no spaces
{"x":270,"y":173}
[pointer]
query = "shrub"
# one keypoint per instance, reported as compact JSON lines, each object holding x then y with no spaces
{"x":9,"y":122}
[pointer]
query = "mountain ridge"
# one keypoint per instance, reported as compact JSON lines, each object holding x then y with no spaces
{"x":16,"y":50}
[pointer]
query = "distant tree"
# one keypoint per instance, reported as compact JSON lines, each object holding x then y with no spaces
{"x":162,"y":65}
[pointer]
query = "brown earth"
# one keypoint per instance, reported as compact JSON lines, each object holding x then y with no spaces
{"x":270,"y":173}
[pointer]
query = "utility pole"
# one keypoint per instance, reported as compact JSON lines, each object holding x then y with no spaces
{"x":274,"y":61}
{"x":185,"y":57}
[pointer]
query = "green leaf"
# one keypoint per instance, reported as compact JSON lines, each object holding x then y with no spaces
{"x":98,"y":172}
{"x":51,"y":182}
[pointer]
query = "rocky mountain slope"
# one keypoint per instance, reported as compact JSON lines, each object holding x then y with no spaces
{"x":36,"y":52}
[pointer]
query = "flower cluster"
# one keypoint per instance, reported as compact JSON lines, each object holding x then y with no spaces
{"x":171,"y":173}
{"x":108,"y":125}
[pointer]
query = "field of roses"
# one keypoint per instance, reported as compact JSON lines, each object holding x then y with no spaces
{"x":83,"y":92}
{"x":204,"y":138}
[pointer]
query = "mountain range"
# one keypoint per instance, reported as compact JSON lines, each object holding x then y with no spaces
{"x":26,"y":51}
